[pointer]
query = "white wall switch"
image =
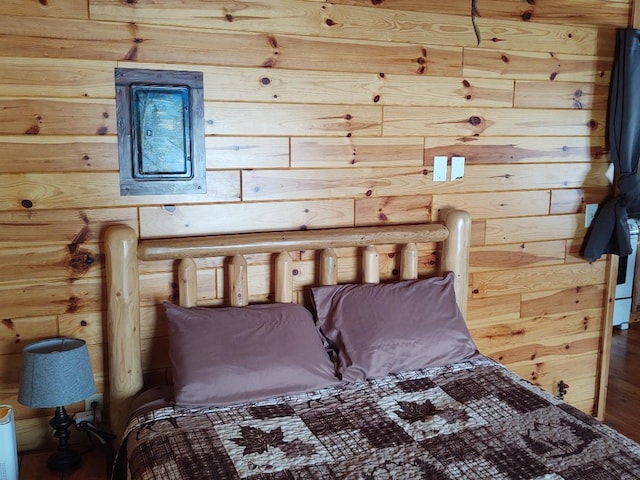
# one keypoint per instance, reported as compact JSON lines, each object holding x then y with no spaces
{"x":440,"y":168}
{"x":590,"y":212}
{"x":457,"y":168}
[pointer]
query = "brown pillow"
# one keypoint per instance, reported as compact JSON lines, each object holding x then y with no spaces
{"x":222,"y":356}
{"x":384,"y":328}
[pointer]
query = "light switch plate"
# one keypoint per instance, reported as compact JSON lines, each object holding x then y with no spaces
{"x":440,"y":168}
{"x":457,"y":168}
{"x":590,"y":212}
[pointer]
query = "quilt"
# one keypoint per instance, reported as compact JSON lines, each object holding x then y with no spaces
{"x":469,"y":420}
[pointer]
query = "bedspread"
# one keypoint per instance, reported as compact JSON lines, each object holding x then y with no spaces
{"x":471,"y":420}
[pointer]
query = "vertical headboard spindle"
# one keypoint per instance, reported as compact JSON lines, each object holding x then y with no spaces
{"x":238,"y":283}
{"x":370,"y":265}
{"x":328,"y":267}
{"x":284,"y":278}
{"x":188,"y":283}
{"x":409,"y":262}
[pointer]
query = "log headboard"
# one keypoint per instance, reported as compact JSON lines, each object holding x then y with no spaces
{"x":124,"y":251}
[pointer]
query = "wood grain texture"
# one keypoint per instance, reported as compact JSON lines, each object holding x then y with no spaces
{"x":464,"y":122}
{"x":69,"y":78}
{"x":356,"y":22}
{"x":574,"y":200}
{"x":624,"y":384}
{"x":564,"y":300}
{"x":91,"y":190}
{"x":26,"y":327}
{"x":225,"y":118}
{"x":238,"y":282}
{"x":524,"y":229}
{"x":243,"y":152}
{"x":537,"y":149}
{"x":347,"y":88}
{"x":49,"y":8}
{"x":549,"y":372}
{"x":455,"y":254}
{"x":123,"y":326}
{"x":409,"y":262}
{"x":50,"y":298}
{"x":547,"y":11}
{"x":369,"y":182}
{"x":292,"y":17}
{"x":612,"y":263}
{"x":526,"y":280}
{"x":356,"y":151}
{"x":493,"y":205}
{"x":319,"y":115}
{"x":187,"y":283}
{"x":58,"y":153}
{"x":31,"y":264}
{"x":505,"y":308}
{"x":328,"y":267}
{"x":73,"y":228}
{"x":242,"y":244}
{"x":147,"y":43}
{"x":389,"y":210}
{"x":540,"y":66}
{"x":284,"y":278}
{"x":518,"y":255}
{"x":370,"y":265}
{"x":33,"y":116}
{"x":163,"y":221}
{"x":580,"y":96}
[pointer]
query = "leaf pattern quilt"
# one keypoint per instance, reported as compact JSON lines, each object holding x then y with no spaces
{"x":470,"y":420}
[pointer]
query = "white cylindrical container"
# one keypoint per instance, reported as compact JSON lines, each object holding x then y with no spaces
{"x":8,"y":450}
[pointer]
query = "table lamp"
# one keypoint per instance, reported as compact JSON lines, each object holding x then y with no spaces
{"x":57,"y":372}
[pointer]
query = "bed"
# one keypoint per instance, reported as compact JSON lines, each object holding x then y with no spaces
{"x":367,"y":380}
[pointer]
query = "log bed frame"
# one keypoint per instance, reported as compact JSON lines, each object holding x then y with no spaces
{"x":124,"y":250}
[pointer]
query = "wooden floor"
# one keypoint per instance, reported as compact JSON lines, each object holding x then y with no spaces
{"x":95,"y":466}
{"x":623,"y":394}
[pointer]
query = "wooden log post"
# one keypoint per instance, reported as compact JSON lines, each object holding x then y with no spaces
{"x":409,"y":262}
{"x":455,"y":254}
{"x":370,"y":265}
{"x":328,"y":267}
{"x":284,"y":278}
{"x":123,"y":315}
{"x":188,"y":283}
{"x":238,"y":283}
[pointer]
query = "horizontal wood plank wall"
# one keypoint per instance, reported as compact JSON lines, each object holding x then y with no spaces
{"x":318,"y":114}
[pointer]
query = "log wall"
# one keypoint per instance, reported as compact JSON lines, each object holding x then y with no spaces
{"x":317,"y":114}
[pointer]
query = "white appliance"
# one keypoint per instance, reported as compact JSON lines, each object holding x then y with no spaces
{"x":624,"y":285}
{"x":8,"y":451}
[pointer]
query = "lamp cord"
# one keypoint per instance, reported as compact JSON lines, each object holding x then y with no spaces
{"x":90,"y":429}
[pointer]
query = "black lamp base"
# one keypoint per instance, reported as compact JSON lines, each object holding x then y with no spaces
{"x":64,"y":458}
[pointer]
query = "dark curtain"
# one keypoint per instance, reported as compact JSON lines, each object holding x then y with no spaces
{"x":609,"y":231}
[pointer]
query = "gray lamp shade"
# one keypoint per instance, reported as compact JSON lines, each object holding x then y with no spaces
{"x":56,"y":372}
